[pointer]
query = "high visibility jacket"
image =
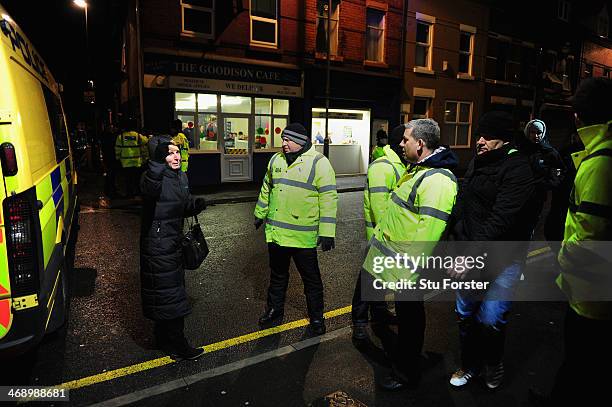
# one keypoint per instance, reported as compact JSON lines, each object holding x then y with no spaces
{"x":183,"y":144}
{"x":377,"y":152}
{"x":131,"y":149}
{"x":383,"y":174}
{"x":586,"y":276}
{"x":298,"y":201}
{"x":415,"y":220}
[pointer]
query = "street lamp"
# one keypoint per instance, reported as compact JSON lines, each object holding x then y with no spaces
{"x":83,"y":4}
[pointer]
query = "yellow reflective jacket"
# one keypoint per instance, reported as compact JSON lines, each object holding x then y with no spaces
{"x":378,"y":152}
{"x":183,"y":144}
{"x":383,"y":174}
{"x":586,"y":274}
{"x":131,"y":149}
{"x":298,"y":201}
{"x":416,"y":216}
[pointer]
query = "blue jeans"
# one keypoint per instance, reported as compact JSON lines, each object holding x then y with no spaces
{"x":490,"y":310}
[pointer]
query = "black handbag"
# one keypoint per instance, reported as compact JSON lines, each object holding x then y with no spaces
{"x":195,"y":248}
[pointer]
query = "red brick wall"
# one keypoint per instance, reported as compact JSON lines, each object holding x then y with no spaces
{"x":597,"y":55}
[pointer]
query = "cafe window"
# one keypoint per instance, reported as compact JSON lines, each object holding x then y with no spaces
{"x":457,"y":124}
{"x":198,"y":18}
{"x":421,"y":108}
{"x":264,"y":23}
{"x":271,"y":117}
{"x":375,"y":35}
{"x":211,"y":121}
{"x":423,"y":44}
{"x":466,"y":50}
{"x":323,"y":16}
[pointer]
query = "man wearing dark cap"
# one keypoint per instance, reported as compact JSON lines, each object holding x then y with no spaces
{"x":495,"y":203}
{"x":383,"y":175}
{"x":298,"y":202}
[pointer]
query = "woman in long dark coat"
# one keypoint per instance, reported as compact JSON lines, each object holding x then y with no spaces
{"x":167,"y":202}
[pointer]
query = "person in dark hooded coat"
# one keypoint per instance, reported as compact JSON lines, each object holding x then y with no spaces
{"x":167,"y":202}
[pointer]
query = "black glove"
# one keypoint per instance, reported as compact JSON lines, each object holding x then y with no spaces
{"x":327,"y":243}
{"x":161,"y":152}
{"x":258,"y":222}
{"x":199,"y":205}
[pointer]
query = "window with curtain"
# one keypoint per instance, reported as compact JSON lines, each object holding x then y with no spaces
{"x":423,"y":44}
{"x":375,"y":35}
{"x":465,"y":52}
{"x":198,"y":18}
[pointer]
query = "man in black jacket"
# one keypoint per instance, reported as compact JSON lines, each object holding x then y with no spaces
{"x":496,"y":202}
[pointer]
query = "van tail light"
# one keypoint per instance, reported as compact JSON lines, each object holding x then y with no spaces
{"x":21,"y":243}
{"x":9,"y":159}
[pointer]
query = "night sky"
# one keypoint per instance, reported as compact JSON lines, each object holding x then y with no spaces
{"x":56,"y":28}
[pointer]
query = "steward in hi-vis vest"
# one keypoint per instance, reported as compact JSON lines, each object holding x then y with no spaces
{"x":298,"y":202}
{"x":414,"y":221}
{"x":132,"y":153}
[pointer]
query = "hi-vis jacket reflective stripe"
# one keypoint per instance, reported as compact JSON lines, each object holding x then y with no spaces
{"x":299,"y":200}
{"x":383,"y":174}
{"x":131,"y":149}
{"x":183,"y":144}
{"x":414,"y":221}
{"x":585,"y":273}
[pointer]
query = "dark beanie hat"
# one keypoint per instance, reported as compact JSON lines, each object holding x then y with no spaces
{"x":397,"y":134}
{"x":496,"y":125}
{"x":297,"y":133}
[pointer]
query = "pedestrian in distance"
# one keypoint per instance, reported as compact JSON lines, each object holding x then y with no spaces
{"x":414,"y":222}
{"x":496,"y":202}
{"x":383,"y":175}
{"x":298,"y":203}
{"x":381,"y":141}
{"x":132,"y":153}
{"x":167,"y":202}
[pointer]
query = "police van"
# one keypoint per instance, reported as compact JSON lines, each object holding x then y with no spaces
{"x":38,"y":197}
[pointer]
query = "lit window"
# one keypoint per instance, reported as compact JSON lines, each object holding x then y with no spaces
{"x":421,"y":108}
{"x":322,"y":18}
{"x":375,"y":35}
{"x":423,"y":44}
{"x":271,"y":117}
{"x":466,"y":47}
{"x":264,"y":23}
{"x":198,"y":18}
{"x":457,"y":124}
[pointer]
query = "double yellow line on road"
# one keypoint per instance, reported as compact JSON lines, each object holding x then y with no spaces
{"x":213,"y":347}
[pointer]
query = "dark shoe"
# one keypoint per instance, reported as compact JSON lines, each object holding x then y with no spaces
{"x":190,"y":353}
{"x":360,"y":332}
{"x":270,"y":316}
{"x":394,"y":383}
{"x":317,"y":326}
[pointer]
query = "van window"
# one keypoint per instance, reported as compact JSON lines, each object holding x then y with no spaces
{"x":58,"y":126}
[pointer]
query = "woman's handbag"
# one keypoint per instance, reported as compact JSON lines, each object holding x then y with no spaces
{"x":195,"y":248}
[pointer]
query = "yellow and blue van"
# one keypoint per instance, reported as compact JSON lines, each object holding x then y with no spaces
{"x":38,"y":197}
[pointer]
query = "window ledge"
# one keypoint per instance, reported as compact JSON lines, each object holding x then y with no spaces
{"x":465,"y":76}
{"x":262,"y":48}
{"x":197,"y":37}
{"x":420,"y":69}
{"x":375,"y":64}
{"x":323,"y":56}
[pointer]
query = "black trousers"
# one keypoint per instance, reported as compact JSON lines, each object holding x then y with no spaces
{"x":308,"y":266}
{"x":170,"y":332}
{"x":360,"y":308}
{"x":587,"y":356}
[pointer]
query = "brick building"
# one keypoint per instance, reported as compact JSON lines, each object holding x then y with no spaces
{"x":445,"y":49}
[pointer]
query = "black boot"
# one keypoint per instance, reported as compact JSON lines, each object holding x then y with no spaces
{"x":317,"y":326}
{"x":271,"y":315}
{"x":180,"y":348}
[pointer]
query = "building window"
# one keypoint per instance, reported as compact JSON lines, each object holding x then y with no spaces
{"x":322,"y":18}
{"x":375,"y":35}
{"x":602,"y":26}
{"x":513,"y":68}
{"x":606,"y":73}
{"x":264,"y":23}
{"x":563,"y":10}
{"x":421,"y":108}
{"x":466,"y":49}
{"x":198,"y":18}
{"x":423,"y":44}
{"x":213,"y":122}
{"x":457,"y":124}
